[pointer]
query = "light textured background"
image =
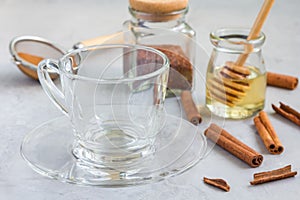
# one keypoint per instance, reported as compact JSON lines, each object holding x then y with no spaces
{"x":24,"y":105}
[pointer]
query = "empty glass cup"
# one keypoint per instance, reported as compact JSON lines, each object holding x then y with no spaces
{"x":115,"y":114}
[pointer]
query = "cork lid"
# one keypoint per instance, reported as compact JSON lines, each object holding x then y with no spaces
{"x":158,"y":6}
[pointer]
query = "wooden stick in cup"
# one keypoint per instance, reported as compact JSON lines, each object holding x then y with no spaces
{"x":256,"y":28}
{"x":236,"y":70}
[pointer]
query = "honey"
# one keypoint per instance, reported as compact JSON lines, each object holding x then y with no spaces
{"x":248,"y":100}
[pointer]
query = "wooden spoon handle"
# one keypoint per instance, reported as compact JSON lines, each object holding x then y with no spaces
{"x":115,"y":38}
{"x":256,"y":28}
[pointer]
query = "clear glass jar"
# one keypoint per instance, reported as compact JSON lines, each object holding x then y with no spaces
{"x":236,"y":75}
{"x":169,"y":33}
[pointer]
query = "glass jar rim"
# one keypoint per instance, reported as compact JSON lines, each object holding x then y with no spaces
{"x":227,"y":34}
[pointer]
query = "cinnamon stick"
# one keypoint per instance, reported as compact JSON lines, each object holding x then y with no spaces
{"x":233,"y":145}
{"x":282,"y":81}
{"x":190,"y":108}
{"x":287,"y":112}
{"x":278,"y":174}
{"x":219,"y":183}
{"x":267,"y":133}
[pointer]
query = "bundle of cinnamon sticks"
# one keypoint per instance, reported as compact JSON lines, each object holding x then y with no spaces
{"x":267,"y":133}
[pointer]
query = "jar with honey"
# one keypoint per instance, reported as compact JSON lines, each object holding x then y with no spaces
{"x":236,"y":75}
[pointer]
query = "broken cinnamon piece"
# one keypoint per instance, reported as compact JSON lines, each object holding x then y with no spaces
{"x":233,"y":145}
{"x":287,"y":112}
{"x":278,"y":174}
{"x":190,"y":108}
{"x":282,"y":81}
{"x":267,"y":133}
{"x":219,"y":183}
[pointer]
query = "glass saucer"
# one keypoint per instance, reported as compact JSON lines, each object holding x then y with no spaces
{"x":48,"y":150}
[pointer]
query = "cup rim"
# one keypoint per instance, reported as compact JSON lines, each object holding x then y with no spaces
{"x":165,"y":64}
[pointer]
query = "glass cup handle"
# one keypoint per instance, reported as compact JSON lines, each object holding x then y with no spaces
{"x":46,"y":67}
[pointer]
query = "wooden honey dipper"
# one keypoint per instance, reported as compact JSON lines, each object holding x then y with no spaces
{"x":229,"y":91}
